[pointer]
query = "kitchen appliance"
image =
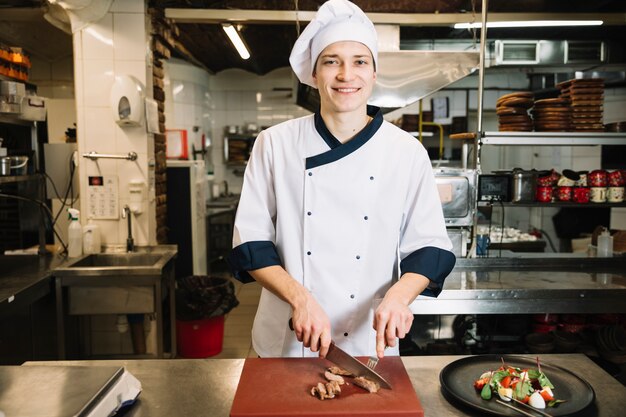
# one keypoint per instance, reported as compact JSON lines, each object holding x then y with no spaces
{"x":259,"y":394}
{"x":14,"y":165}
{"x":456,"y":192}
{"x":494,"y":187}
{"x":186,"y":215}
{"x":524,"y":185}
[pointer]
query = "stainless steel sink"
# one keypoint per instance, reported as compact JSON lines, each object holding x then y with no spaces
{"x":145,"y":261}
{"x":115,"y":259}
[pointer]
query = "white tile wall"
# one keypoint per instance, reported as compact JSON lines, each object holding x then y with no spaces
{"x":129,"y":36}
{"x":97,"y":39}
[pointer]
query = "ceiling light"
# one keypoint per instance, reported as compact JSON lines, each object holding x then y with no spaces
{"x":234,"y":37}
{"x":530,"y":23}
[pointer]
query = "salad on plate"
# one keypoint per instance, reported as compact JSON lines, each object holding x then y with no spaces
{"x":530,"y":386}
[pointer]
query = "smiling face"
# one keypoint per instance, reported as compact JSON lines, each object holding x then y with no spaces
{"x":345,"y":77}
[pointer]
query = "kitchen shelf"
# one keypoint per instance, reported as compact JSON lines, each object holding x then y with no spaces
{"x":18,"y":178}
{"x":553,"y":138}
{"x":554,"y":204}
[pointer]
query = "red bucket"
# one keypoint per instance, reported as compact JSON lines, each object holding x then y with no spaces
{"x":200,"y":338}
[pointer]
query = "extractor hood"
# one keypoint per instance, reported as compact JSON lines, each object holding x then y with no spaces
{"x":404,"y":77}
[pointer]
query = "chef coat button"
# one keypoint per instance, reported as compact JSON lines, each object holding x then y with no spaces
{"x":310,"y":173}
{"x":308,"y":253}
{"x":346,"y":334}
{"x":365,"y":217}
{"x":351,"y":295}
{"x":372,"y":178}
{"x":358,"y":256}
{"x":308,"y":213}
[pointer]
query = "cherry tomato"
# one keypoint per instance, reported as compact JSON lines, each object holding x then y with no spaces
{"x":506,"y":382}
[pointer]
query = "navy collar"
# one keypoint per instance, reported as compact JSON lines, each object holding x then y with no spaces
{"x":337,"y":149}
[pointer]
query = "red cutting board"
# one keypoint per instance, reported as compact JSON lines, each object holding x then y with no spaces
{"x":282,"y":387}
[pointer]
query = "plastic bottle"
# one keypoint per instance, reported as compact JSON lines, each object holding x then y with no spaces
{"x":605,"y":244}
{"x":74,"y":234}
{"x":91,"y":238}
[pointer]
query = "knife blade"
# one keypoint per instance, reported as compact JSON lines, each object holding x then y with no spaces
{"x":351,"y":364}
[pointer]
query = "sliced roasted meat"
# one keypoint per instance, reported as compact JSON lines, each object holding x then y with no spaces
{"x":339,"y":371}
{"x":333,"y":377}
{"x":366,"y":384}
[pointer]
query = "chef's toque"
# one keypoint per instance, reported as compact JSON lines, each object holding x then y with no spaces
{"x":335,"y":21}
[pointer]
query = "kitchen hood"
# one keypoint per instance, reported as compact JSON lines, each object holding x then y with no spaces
{"x":404,"y":77}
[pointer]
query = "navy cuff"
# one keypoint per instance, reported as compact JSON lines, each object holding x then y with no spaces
{"x":250,"y":256}
{"x":434,"y":263}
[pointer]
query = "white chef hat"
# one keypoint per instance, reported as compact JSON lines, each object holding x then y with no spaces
{"x":335,"y":21}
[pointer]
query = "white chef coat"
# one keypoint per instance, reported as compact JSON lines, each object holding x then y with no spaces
{"x":341,"y":219}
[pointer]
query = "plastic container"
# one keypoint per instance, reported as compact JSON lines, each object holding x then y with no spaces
{"x":91,"y":238}
{"x":200,"y":338}
{"x":75,"y":235}
{"x":605,"y":244}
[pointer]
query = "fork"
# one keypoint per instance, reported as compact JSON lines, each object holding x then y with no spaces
{"x":372,"y":361}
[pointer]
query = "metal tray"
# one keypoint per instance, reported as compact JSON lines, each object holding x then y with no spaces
{"x":458,"y":377}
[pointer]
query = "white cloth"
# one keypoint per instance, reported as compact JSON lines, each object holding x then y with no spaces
{"x":335,"y":21}
{"x":340,"y":227}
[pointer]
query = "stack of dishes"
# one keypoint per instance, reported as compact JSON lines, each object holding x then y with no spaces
{"x":552,"y":115}
{"x":611,"y":343}
{"x":512,"y":111}
{"x":586,"y":98}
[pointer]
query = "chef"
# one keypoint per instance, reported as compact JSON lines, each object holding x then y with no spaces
{"x":339,"y":218}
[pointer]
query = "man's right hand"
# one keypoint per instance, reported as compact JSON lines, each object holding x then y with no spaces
{"x":312,"y":326}
{"x":309,"y":320}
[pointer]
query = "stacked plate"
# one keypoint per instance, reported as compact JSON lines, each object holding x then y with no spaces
{"x":586,"y":98}
{"x":512,"y":112}
{"x":611,"y":343}
{"x":552,"y":115}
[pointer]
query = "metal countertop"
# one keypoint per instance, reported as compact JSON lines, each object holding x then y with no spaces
{"x":25,"y":278}
{"x":206,"y":387}
{"x":520,"y":291}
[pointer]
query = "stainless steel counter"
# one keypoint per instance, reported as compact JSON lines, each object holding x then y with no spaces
{"x":25,"y":278}
{"x":530,"y":285}
{"x":207,"y":387}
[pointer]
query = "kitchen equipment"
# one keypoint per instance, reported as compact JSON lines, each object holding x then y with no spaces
{"x":615,"y":195}
{"x":598,"y":194}
{"x":456,"y":192}
{"x":598,"y":178}
{"x":581,"y":194}
{"x":13,"y":165}
{"x":458,"y":377}
{"x":523,"y":185}
{"x":494,"y":187}
{"x":89,"y":391}
{"x":544,"y":194}
{"x":281,"y":387}
{"x":564,"y":193}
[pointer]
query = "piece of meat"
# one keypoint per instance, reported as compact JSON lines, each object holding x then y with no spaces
{"x":366,"y":384}
{"x":339,"y":371}
{"x":334,"y":377}
{"x":328,"y":390}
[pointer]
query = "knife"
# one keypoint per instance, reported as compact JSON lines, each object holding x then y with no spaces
{"x":351,"y":364}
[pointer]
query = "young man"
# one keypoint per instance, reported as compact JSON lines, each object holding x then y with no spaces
{"x":339,"y":218}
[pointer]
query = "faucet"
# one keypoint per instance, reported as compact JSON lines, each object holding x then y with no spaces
{"x":130,"y":243}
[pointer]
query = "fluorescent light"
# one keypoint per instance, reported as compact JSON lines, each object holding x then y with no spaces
{"x":530,"y":23}
{"x":233,"y":35}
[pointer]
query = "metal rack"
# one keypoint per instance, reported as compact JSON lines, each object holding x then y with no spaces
{"x":552,"y":138}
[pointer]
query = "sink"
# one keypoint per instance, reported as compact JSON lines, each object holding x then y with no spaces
{"x":114,"y":259}
{"x":147,"y":260}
